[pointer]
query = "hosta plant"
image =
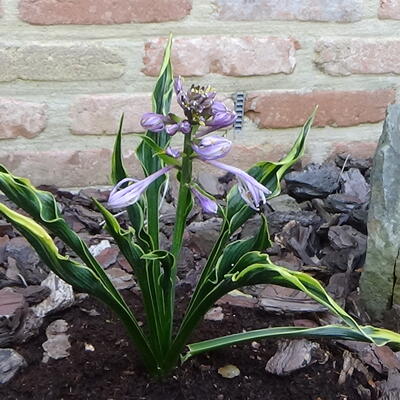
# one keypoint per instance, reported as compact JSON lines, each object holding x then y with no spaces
{"x":231,"y":264}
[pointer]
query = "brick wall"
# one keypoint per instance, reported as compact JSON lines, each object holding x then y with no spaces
{"x":69,"y":68}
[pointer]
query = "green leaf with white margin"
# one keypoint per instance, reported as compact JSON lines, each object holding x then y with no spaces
{"x":161,"y":102}
{"x":216,"y":285}
{"x":368,"y":334}
{"x":256,"y":268}
{"x":80,"y":277}
{"x":118,"y":173}
{"x":43,"y":208}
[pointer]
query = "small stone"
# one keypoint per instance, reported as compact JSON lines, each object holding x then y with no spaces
{"x":215,"y":314}
{"x":61,"y":296}
{"x":294,"y":355}
{"x":34,"y":294}
{"x":57,"y":344}
{"x":315,"y":181}
{"x":229,"y":371}
{"x":203,"y":235}
{"x":354,"y":184}
{"x":89,"y":347}
{"x":120,"y":279}
{"x":238,"y":299}
{"x":26,"y":259}
{"x":108,"y":257}
{"x":284,"y":203}
{"x":210,"y":183}
{"x":10,"y":363}
{"x":96,"y":249}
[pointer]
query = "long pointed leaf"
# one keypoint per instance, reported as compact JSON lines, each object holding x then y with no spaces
{"x":79,"y":276}
{"x":370,"y":335}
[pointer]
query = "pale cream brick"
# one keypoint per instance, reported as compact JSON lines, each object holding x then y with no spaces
{"x":50,"y":12}
{"x":302,"y":10}
{"x":358,"y":56}
{"x":232,"y":56}
{"x":21,"y":118}
{"x":59,"y":62}
{"x":285,"y":109}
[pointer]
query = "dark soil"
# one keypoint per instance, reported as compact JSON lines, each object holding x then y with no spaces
{"x":114,"y":372}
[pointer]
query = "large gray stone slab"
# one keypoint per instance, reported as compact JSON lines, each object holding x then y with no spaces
{"x":380,"y":283}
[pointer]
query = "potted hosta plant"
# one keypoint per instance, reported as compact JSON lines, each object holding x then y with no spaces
{"x":231,"y":264}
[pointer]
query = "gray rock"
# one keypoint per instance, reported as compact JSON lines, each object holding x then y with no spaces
{"x":380,"y":280}
{"x":17,"y":322}
{"x":354,"y":184}
{"x":342,"y":203}
{"x":315,"y":181}
{"x":57,"y":344}
{"x":10,"y":363}
{"x":294,"y":355}
{"x":203,"y":235}
{"x":210,"y":184}
{"x":12,"y":311}
{"x":27,"y":261}
{"x":120,"y":278}
{"x":284,"y":203}
{"x":347,"y":161}
{"x":34,"y":294}
{"x":278,"y":219}
{"x":60,"y":298}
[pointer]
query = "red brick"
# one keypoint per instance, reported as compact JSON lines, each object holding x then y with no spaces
{"x":64,"y":168}
{"x":100,"y":114}
{"x":232,"y":56}
{"x":357,"y":149}
{"x":358,"y":56}
{"x":389,"y":9}
{"x":84,"y":12}
{"x":21,"y":118}
{"x":302,"y":10}
{"x":277,"y":109}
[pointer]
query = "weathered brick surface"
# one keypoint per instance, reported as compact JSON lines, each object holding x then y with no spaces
{"x":302,"y":10}
{"x":232,"y":56}
{"x":21,"y":118}
{"x":285,"y":109}
{"x":389,"y":9}
{"x":64,"y":168}
{"x":357,"y":149}
{"x":358,"y":56}
{"x":59,"y":62}
{"x":100,"y":114}
{"x":49,"y":12}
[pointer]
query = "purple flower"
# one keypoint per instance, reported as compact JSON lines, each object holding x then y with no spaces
{"x":212,"y":147}
{"x":220,"y":120}
{"x":252,"y":191}
{"x":172,"y":152}
{"x":218,"y":107}
{"x":131,"y":194}
{"x":153,"y":122}
{"x":207,"y":204}
{"x":182,"y":126}
{"x":196,"y":102}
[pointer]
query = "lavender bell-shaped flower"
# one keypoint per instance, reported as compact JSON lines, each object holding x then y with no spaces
{"x":131,"y":194}
{"x":207,"y":204}
{"x":252,"y":191}
{"x":153,"y":122}
{"x":212,"y":147}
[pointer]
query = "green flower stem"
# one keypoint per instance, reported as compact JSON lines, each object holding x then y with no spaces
{"x":183,"y":208}
{"x":183,"y":197}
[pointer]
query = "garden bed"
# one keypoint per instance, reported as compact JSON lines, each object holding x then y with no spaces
{"x":320,"y":230}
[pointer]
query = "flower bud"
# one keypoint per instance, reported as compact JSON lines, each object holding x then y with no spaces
{"x":153,"y":122}
{"x":212,"y":147}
